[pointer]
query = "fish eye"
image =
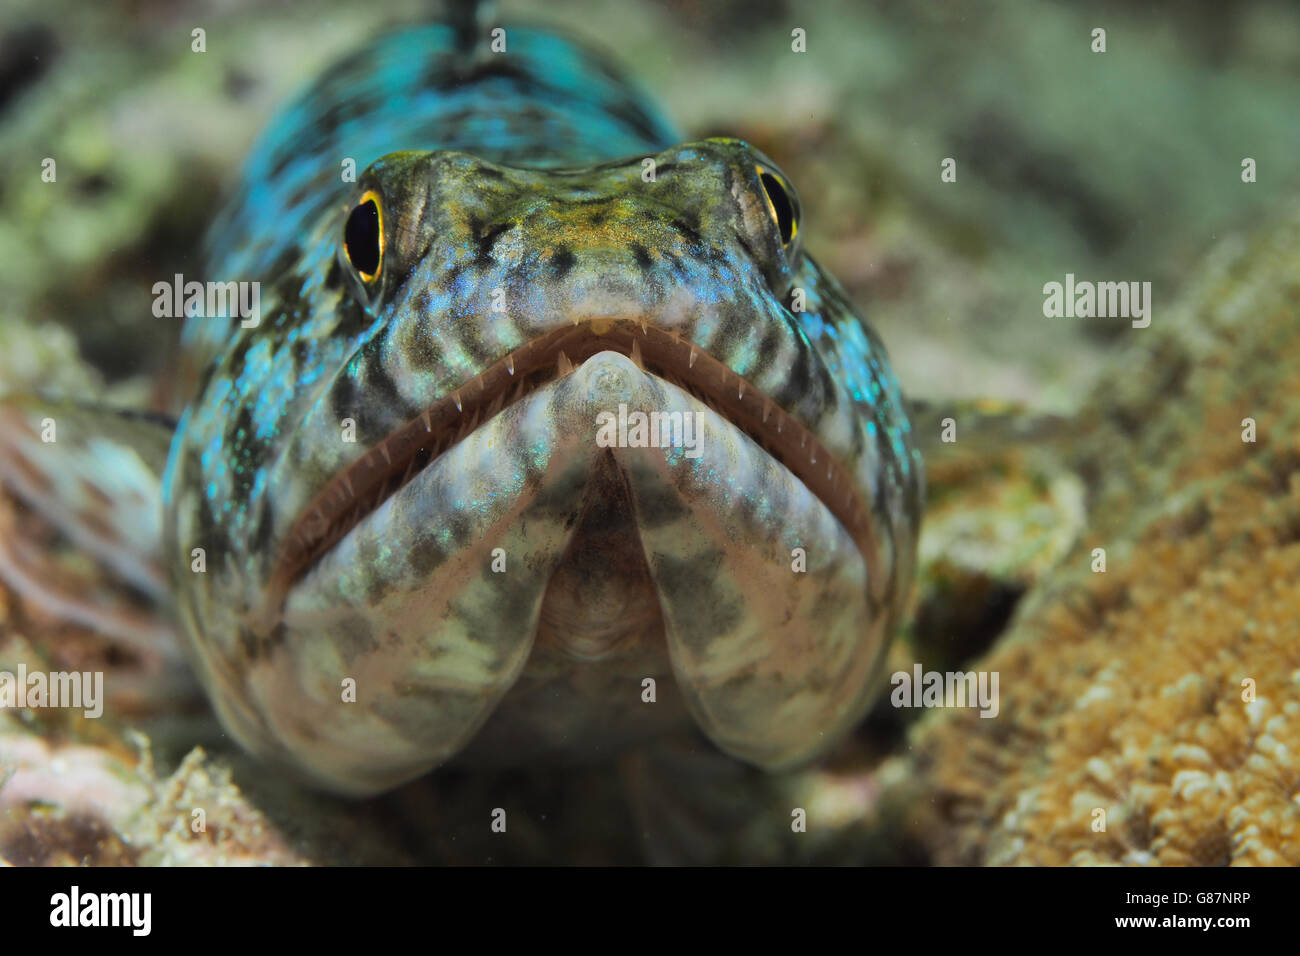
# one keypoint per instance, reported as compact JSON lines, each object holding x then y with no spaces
{"x":781,"y":204}
{"x":363,"y":237}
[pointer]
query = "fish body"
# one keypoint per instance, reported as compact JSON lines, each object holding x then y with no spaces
{"x":549,"y":439}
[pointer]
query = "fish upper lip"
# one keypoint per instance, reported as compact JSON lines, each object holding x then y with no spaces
{"x":359,"y":489}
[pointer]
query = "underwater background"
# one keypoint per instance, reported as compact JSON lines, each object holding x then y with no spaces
{"x":1164,"y":690}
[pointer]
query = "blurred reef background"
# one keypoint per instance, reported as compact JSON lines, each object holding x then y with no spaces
{"x":1121,"y":691}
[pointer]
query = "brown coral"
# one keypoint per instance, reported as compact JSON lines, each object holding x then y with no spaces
{"x":1130,"y":691}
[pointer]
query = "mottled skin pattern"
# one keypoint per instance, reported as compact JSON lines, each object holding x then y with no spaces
{"x":532,"y":278}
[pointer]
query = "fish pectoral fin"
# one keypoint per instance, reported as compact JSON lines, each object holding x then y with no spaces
{"x":691,"y":803}
{"x":967,"y":429}
{"x":78,"y":480}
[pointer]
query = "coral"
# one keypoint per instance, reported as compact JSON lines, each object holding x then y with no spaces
{"x":1130,"y":691}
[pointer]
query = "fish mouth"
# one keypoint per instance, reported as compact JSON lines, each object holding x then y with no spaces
{"x":363,"y":486}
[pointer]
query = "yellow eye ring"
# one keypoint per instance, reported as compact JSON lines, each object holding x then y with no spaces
{"x":781,"y":204}
{"x":363,"y":237}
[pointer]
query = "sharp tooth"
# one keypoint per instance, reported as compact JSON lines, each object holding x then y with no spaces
{"x":510,"y":364}
{"x":456,"y":398}
{"x":563,"y":364}
{"x":348,"y":485}
{"x":645,"y":326}
{"x":767,"y":410}
{"x":482,"y":386}
{"x":636,"y":354}
{"x":384,"y":450}
{"x":691,"y":362}
{"x":740,"y":390}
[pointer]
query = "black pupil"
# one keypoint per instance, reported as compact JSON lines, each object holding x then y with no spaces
{"x":361,"y":238}
{"x":781,"y":203}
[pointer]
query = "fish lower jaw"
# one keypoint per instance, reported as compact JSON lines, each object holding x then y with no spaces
{"x":536,"y":590}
